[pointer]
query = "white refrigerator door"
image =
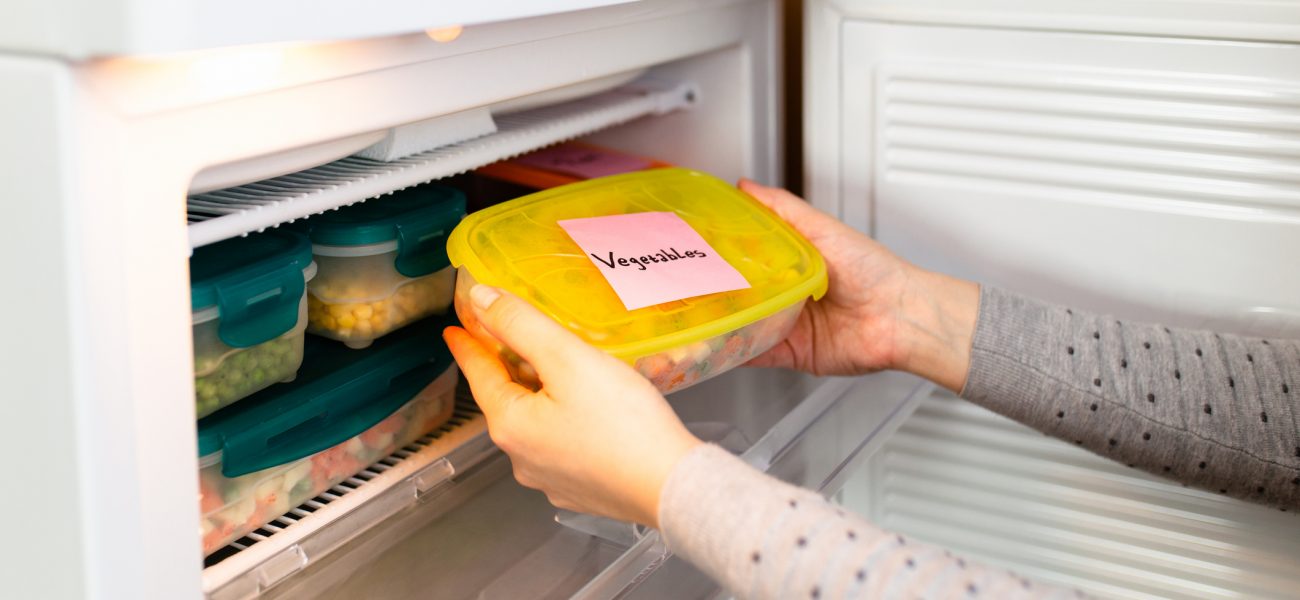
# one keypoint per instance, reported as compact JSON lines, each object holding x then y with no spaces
{"x":1151,"y":177}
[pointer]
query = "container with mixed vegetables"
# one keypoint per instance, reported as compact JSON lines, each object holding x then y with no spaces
{"x":519,"y":246}
{"x":348,"y":409}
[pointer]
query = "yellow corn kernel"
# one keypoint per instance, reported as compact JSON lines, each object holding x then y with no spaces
{"x":347,"y":321}
{"x":378,"y":322}
{"x":363,"y":311}
{"x":329,"y":322}
{"x":338,"y":310}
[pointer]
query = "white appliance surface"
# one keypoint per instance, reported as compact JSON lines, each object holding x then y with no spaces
{"x":1138,"y":156}
{"x":104,"y":152}
{"x":1148,"y":176}
{"x":83,"y":28}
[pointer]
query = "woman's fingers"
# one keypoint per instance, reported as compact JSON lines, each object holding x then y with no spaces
{"x":547,"y":346}
{"x":487,"y":377}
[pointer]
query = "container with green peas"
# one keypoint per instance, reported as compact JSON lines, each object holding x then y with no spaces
{"x":249,"y":315}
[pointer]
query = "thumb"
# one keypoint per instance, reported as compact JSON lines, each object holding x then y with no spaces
{"x":488,"y":378}
{"x":546,"y":345}
{"x":792,"y":209}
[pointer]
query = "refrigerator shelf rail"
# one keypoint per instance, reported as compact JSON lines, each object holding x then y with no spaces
{"x":489,"y":538}
{"x":307,"y":534}
{"x":253,"y":207}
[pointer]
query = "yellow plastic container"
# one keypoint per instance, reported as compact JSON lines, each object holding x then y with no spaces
{"x":519,"y":247}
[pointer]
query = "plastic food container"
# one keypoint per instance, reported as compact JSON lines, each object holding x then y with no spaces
{"x":519,"y":247}
{"x":348,"y":409}
{"x":383,"y":264}
{"x":561,"y":164}
{"x":249,"y":314}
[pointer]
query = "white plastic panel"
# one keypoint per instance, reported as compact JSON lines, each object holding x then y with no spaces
{"x":230,"y":212}
{"x":1060,"y":514}
{"x":1225,"y":19}
{"x":116,"y":154}
{"x":1155,"y":178}
{"x":80,"y":28}
{"x":1158,"y":178}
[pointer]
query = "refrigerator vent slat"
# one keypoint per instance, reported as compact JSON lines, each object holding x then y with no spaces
{"x":232,"y":212}
{"x":320,"y":525}
{"x":1216,"y":143}
{"x":967,"y":479}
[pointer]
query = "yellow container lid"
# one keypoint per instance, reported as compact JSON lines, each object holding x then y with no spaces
{"x":518,"y":246}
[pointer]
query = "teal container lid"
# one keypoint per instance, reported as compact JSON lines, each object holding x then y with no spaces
{"x":256,"y":283}
{"x":338,"y":394}
{"x":418,"y":218}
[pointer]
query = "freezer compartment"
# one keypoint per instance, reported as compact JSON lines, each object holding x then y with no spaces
{"x":487,"y":537}
{"x":229,"y":212}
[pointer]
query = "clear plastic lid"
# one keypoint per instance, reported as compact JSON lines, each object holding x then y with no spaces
{"x":519,"y":246}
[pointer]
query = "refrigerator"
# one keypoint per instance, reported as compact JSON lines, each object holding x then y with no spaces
{"x":1135,"y":157}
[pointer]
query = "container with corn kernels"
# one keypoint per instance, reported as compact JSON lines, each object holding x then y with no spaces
{"x":382,"y":264}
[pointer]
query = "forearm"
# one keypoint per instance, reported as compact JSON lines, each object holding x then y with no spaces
{"x":1214,"y":411}
{"x":761,"y":538}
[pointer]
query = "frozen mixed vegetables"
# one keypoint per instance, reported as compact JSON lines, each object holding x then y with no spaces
{"x":233,"y":507}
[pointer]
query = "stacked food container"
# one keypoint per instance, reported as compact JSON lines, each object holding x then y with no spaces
{"x":249,"y":314}
{"x":312,"y":411}
{"x":347,"y":409}
{"x":520,"y":246}
{"x":383,"y":264}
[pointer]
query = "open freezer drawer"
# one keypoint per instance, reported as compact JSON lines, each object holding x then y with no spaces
{"x":486,"y":536}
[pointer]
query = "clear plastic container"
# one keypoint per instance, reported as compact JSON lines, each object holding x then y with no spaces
{"x":519,"y":247}
{"x":249,"y":315}
{"x":383,"y":264}
{"x":285,"y":446}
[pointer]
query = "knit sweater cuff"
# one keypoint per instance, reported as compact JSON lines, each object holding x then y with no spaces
{"x":1005,"y":322}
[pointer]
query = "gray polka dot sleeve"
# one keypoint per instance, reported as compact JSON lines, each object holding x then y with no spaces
{"x":1215,"y":411}
{"x":763,"y":538}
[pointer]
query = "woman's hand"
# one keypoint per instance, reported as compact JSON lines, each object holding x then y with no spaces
{"x":879,"y":312}
{"x":595,"y":438}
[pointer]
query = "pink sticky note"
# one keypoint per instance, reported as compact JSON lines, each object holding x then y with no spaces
{"x":587,"y":163}
{"x":653,"y":257}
